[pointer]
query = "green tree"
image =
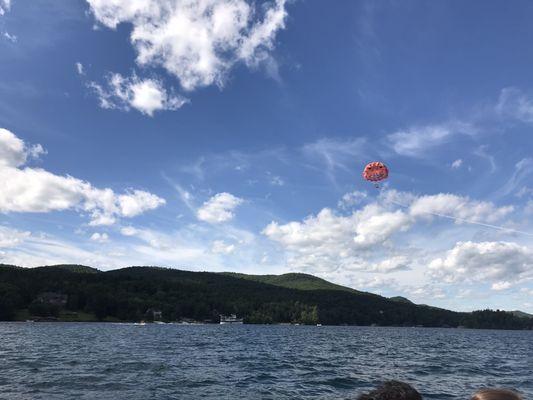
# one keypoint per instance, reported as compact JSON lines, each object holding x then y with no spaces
{"x":10,"y":300}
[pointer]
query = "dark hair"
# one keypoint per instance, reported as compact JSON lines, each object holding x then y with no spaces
{"x":496,"y":394}
{"x":392,"y":390}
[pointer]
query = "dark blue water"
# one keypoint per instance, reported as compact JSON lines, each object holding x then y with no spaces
{"x":121,"y":361}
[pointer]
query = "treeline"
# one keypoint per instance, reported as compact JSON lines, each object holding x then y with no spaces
{"x":130,"y":294}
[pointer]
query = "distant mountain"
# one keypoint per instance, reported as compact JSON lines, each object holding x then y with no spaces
{"x":521,"y":314}
{"x":83,"y":269}
{"x":294,"y":281}
{"x":81,"y":293}
{"x":8,"y":266}
{"x":401,"y":299}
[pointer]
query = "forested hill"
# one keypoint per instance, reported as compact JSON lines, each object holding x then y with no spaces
{"x":294,"y":281}
{"x":70,"y":292}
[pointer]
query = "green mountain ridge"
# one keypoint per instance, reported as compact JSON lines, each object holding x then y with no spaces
{"x":401,"y":299}
{"x":80,"y":293}
{"x":74,"y":268}
{"x":294,"y":280}
{"x":521,"y":314}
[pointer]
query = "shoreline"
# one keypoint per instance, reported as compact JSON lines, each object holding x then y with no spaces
{"x":133,"y":323}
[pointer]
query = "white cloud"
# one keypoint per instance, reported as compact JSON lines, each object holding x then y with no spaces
{"x":190,"y":247}
{"x":326,"y":228}
{"x":27,"y":189}
{"x":457,"y":164}
{"x":100,"y":237}
{"x":198,"y":41}
{"x":198,"y":245}
{"x":137,"y":202}
{"x":393,"y":197}
{"x":79,"y":68}
{"x":219,"y":208}
{"x":14,"y":152}
{"x":144,"y":95}
{"x":416,"y":141}
{"x":500,"y":263}
{"x":36,"y":190}
{"x":395,"y":263}
{"x":373,"y":283}
{"x":426,"y":291}
{"x":41,"y":250}
{"x":330,"y":241}
{"x":376,"y":225}
{"x":4,"y":6}
{"x":261,"y":37}
{"x":221,"y":247}
{"x":10,"y":37}
{"x":458,"y":207}
{"x":502,"y":285}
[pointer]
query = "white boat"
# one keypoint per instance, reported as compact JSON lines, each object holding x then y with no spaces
{"x":230,"y":319}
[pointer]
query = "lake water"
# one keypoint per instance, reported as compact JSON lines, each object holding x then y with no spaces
{"x":126,"y":361}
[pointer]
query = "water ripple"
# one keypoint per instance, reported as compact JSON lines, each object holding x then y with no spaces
{"x":125,"y":361}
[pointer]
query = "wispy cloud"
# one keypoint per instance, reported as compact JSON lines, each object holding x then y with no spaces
{"x":10,"y":237}
{"x":515,"y":104}
{"x":419,"y":140}
{"x":185,"y":196}
{"x":336,"y":154}
{"x":482,"y":151}
{"x":523,"y":170}
{"x":221,"y":247}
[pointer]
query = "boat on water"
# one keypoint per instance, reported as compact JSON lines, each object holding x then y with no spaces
{"x":230,"y":319}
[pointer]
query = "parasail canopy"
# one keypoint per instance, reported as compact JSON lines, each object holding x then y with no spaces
{"x":375,"y":171}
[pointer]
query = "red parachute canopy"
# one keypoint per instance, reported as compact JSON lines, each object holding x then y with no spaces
{"x":375,"y":171}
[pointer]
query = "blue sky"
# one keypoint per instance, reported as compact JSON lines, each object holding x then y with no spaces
{"x":231,"y":135}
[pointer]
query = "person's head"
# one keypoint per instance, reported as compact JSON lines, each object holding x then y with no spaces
{"x":392,"y":390}
{"x":496,"y":394}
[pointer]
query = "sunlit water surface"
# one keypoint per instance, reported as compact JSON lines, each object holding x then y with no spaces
{"x":126,"y":361}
